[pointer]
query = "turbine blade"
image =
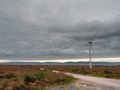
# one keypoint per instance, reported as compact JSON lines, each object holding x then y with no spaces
{"x":94,"y":37}
{"x":93,"y":50}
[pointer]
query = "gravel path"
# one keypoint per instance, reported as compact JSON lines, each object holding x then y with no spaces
{"x":82,"y":85}
{"x":90,"y":83}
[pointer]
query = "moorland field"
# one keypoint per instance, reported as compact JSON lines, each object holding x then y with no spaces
{"x":38,"y":77}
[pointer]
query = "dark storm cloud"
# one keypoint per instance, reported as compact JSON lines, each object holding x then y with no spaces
{"x":99,"y":30}
{"x":55,"y":29}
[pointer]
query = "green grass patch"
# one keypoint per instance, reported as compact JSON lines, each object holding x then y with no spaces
{"x":105,"y":73}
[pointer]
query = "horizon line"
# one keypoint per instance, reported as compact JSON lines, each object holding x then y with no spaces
{"x":117,"y":59}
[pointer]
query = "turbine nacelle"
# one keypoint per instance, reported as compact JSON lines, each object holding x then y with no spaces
{"x":90,"y":43}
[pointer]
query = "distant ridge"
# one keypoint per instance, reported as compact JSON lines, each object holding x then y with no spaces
{"x":65,"y":63}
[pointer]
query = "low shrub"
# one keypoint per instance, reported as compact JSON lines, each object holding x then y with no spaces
{"x":107,"y":72}
{"x":29,"y":78}
{"x":40,"y":76}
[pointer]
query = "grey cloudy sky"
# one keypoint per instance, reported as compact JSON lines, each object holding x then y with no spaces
{"x":58,"y":29}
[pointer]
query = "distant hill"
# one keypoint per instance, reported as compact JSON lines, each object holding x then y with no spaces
{"x":66,"y":63}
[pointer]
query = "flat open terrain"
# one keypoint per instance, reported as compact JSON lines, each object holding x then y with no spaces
{"x":99,"y":71}
{"x":87,"y":81}
{"x":14,"y":77}
{"x":14,"y":74}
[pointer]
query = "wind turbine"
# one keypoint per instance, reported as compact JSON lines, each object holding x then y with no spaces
{"x":90,"y":43}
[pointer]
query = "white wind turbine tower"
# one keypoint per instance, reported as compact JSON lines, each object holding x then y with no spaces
{"x":90,"y":43}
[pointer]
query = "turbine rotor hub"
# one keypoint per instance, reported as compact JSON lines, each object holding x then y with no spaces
{"x":90,"y":43}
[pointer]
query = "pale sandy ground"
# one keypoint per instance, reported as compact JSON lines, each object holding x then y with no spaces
{"x":90,"y":83}
{"x":82,"y":85}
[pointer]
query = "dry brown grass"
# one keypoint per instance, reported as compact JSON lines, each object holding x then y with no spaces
{"x":13,"y":77}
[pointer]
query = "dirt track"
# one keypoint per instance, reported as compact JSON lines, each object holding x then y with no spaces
{"x":90,"y":83}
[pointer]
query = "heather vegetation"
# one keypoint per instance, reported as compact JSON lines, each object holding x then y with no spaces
{"x":105,"y":73}
{"x":33,"y":78}
{"x":99,"y":71}
{"x":40,"y":77}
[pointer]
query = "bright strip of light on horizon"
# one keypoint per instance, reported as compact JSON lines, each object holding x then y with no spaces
{"x":68,"y":60}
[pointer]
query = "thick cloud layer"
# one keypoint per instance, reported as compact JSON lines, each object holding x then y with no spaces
{"x":58,"y":29}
